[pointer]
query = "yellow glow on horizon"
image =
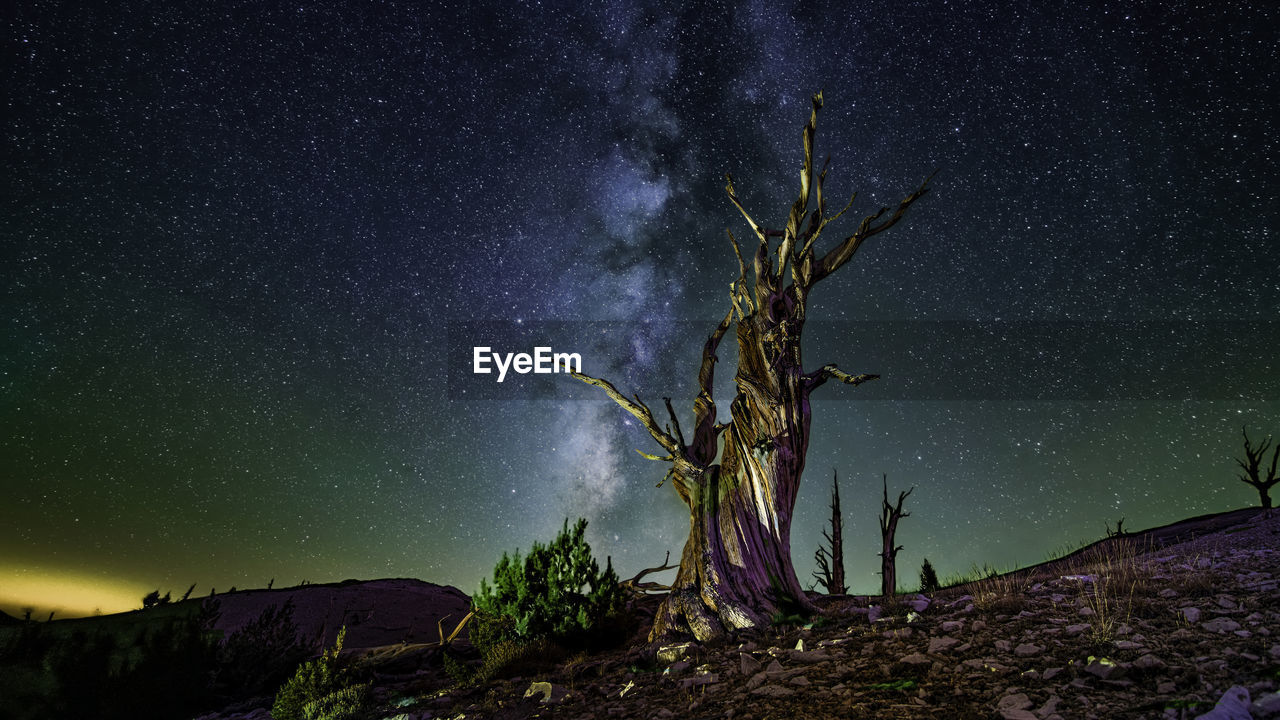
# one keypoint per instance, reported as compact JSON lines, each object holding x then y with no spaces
{"x":66,"y":593}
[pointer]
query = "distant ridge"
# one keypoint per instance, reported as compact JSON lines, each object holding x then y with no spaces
{"x":7,"y":619}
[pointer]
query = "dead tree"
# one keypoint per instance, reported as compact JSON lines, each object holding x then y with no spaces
{"x":889,"y":517}
{"x":830,"y":559}
{"x":1252,"y":467}
{"x":736,"y":569}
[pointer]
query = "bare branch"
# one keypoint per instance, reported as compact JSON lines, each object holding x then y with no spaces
{"x":658,"y":458}
{"x":817,"y":378}
{"x":840,"y":254}
{"x":675,"y":422}
{"x":801,"y":205}
{"x":733,"y":197}
{"x":635,"y":586}
{"x":638,"y":409}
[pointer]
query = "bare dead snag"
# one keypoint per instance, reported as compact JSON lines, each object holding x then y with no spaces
{"x":1252,"y":467}
{"x":736,"y":569}
{"x":889,"y":517}
{"x":830,"y":559}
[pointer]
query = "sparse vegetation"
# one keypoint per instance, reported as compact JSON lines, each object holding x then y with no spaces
{"x":557,"y":594}
{"x":322,"y":689}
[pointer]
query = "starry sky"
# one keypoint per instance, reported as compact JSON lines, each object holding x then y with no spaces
{"x":248,"y":249}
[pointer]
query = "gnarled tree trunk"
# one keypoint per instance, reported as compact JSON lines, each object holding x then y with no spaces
{"x":736,"y":569}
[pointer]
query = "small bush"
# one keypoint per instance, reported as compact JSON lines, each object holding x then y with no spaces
{"x":557,"y":592}
{"x":321,"y":688}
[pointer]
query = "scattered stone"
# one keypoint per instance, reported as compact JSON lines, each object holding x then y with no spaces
{"x":919,"y":604}
{"x":1168,"y":593}
{"x":676,"y":668}
{"x":1104,"y":668}
{"x":1027,"y":650}
{"x":1266,"y":707}
{"x":1149,"y":662}
{"x":1220,"y":625}
{"x":671,"y":653}
{"x":774,"y":691}
{"x":916,"y":660}
{"x":800,"y":681}
{"x":1003,"y":646}
{"x":1015,"y":707}
{"x":1072,"y":630}
{"x":1234,"y":705}
{"x":942,"y":644}
{"x":1191,"y":614}
{"x":543,"y":688}
{"x":800,"y":645}
{"x":748,"y":664}
{"x":951,"y":626}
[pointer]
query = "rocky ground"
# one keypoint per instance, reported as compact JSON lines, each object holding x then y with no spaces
{"x":1145,"y":626}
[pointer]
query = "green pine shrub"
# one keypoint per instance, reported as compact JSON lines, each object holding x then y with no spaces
{"x":322,"y":689}
{"x":555,"y":596}
{"x":928,"y":577}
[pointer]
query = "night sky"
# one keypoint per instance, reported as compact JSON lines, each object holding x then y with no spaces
{"x":247,"y":249}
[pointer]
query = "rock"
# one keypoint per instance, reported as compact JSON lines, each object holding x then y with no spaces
{"x":676,"y":668}
{"x":1191,"y":614}
{"x":757,"y":680}
{"x":1149,"y":662}
{"x":1018,"y":701}
{"x":749,"y":665}
{"x":1266,"y":707}
{"x":800,"y":681}
{"x":1220,"y":625}
{"x":810,"y":657}
{"x":705,"y":679}
{"x":774,"y":691}
{"x":951,"y":626}
{"x":1003,"y":646}
{"x":919,"y":604}
{"x":1051,"y":673}
{"x":1086,"y":611}
{"x":1072,"y":630}
{"x":1168,"y":593}
{"x":800,"y":645}
{"x":1027,"y":650}
{"x":671,"y":653}
{"x":543,"y":688}
{"x":874,"y":613}
{"x":1104,"y":668}
{"x":916,"y":660}
{"x":1050,"y":707}
{"x":1234,"y":705}
{"x":914,"y":617}
{"x":942,"y":644}
{"x":1015,"y":707}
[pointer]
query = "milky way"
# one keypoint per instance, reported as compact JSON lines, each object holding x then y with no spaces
{"x":245,"y":247}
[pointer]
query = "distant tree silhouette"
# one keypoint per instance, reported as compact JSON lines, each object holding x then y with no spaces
{"x":187,"y":594}
{"x":830,"y":559}
{"x":1252,"y":467}
{"x":928,"y":577}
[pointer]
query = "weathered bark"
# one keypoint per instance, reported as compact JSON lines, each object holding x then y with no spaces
{"x":830,"y":559}
{"x":889,"y":517}
{"x":1252,"y":466}
{"x":736,"y":569}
